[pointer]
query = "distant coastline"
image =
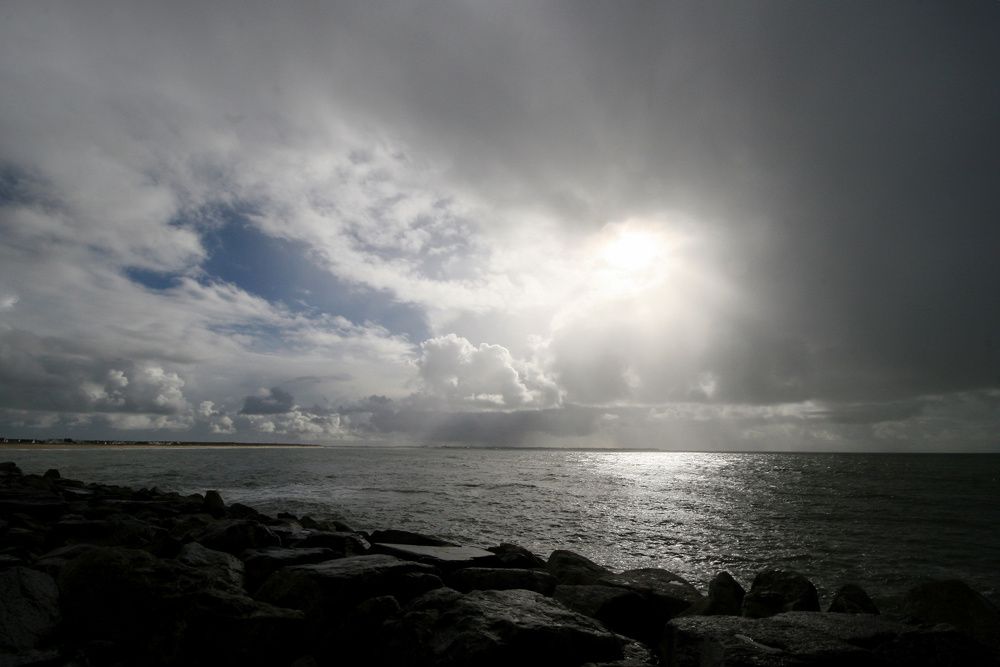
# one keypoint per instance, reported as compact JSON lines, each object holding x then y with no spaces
{"x":69,"y":443}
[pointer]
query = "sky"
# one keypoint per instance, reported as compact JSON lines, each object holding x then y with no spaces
{"x":680,"y":225}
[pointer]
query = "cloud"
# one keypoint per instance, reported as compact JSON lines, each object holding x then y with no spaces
{"x":270,"y":402}
{"x":462,"y":374}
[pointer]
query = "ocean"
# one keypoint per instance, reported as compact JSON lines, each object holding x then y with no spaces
{"x":884,"y":521}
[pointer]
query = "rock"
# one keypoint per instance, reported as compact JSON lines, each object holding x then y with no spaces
{"x":29,"y":609}
{"x":621,"y":610}
{"x":444,"y":558}
{"x":38,"y":503}
{"x":406,"y":537}
{"x":776,"y":591}
{"x":342,"y":544}
{"x":502,"y":578}
{"x":225,"y":570}
{"x":494,"y":629}
{"x":512,"y":555}
{"x":334,"y":587}
{"x":241,"y":511}
{"x":9,"y":468}
{"x":954,"y":603}
{"x":671,"y":593}
{"x":572,"y":568}
{"x":235,"y":536}
{"x":213,"y":503}
{"x":260,"y":563}
{"x":725,"y":597}
{"x":54,"y":561}
{"x":115,"y":530}
{"x":852,"y":599}
{"x":51,"y":473}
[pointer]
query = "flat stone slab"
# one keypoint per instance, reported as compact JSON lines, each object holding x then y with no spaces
{"x":446,"y":557}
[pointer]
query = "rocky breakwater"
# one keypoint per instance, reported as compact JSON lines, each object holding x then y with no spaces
{"x":94,"y":575}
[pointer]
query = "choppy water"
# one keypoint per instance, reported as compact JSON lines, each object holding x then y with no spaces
{"x":883,"y":521}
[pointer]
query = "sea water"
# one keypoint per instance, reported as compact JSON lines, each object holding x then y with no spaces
{"x":884,"y":521}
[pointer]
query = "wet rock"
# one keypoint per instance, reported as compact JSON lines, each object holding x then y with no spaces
{"x":672,"y":594}
{"x":852,"y":599}
{"x":235,"y":536}
{"x":445,"y":558}
{"x":342,"y":544}
{"x":225,"y":569}
{"x":725,"y":597}
{"x":34,"y":502}
{"x":494,"y":629}
{"x":260,"y":563}
{"x":619,"y":609}
{"x":955,"y":603}
{"x":777,"y":591}
{"x":29,"y":609}
{"x":51,"y":473}
{"x":334,"y":587}
{"x":406,"y":537}
{"x":513,"y":555}
{"x":52,"y":562}
{"x":572,"y":568}
{"x":498,"y":579}
{"x":213,"y":503}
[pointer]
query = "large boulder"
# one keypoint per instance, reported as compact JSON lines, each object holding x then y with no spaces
{"x":670,"y":593}
{"x":619,"y":609}
{"x":117,"y":530}
{"x":501,"y":578}
{"x":235,"y":536}
{"x":494,"y":629}
{"x":725,"y":597}
{"x":955,"y":603}
{"x":852,"y":599}
{"x":260,"y":563}
{"x":342,"y":543}
{"x":29,"y":609}
{"x":333,"y":588}
{"x":225,"y":570}
{"x":573,"y":569}
{"x":777,"y":591}
{"x":513,"y":555}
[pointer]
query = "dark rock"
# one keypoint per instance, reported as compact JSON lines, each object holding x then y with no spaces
{"x":777,"y":591}
{"x":725,"y":597}
{"x":954,"y":603}
{"x":513,"y":555}
{"x":406,"y":537}
{"x":54,"y":561}
{"x":671,"y":593}
{"x":342,"y":544}
{"x":334,"y":587}
{"x":34,"y":502}
{"x":572,"y":568}
{"x":115,"y":530}
{"x":51,"y":473}
{"x":852,"y":599}
{"x":213,"y":503}
{"x":444,"y":558}
{"x":9,"y":468}
{"x":260,"y":563}
{"x":225,"y":570}
{"x":29,"y":609}
{"x":236,"y":536}
{"x":494,"y":629}
{"x":622,"y":610}
{"x":502,"y":578}
{"x":241,"y":511}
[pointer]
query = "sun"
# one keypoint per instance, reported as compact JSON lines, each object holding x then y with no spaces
{"x":631,"y":250}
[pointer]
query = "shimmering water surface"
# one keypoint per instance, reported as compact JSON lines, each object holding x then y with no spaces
{"x":883,"y":521}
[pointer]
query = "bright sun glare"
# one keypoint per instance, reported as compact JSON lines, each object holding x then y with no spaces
{"x":631,"y":250}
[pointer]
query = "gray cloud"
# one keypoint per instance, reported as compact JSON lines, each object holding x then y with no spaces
{"x":272,"y":401}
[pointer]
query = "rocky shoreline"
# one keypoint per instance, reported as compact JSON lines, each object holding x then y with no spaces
{"x":95,"y":575}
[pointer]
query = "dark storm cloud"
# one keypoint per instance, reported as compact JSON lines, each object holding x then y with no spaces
{"x":275,"y":401}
